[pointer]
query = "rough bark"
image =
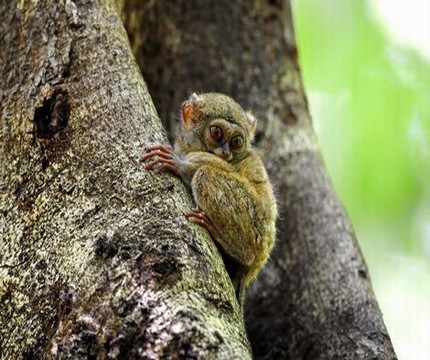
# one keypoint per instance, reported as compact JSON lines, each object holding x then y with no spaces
{"x":315,"y":299}
{"x":97,"y":259}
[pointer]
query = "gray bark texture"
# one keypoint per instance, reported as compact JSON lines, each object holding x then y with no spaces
{"x":96,"y":257}
{"x":314,"y":300}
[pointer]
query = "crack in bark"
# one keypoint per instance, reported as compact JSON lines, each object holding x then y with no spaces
{"x":53,"y":116}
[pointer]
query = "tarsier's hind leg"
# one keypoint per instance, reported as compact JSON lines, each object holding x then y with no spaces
{"x":235,"y":270}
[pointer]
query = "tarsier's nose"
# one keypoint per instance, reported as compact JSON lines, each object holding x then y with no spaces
{"x":224,"y":152}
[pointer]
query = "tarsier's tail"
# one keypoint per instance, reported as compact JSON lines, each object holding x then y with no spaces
{"x":240,"y":294}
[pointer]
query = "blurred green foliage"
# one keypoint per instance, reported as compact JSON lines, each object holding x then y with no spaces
{"x":370,"y":97}
{"x":370,"y":103}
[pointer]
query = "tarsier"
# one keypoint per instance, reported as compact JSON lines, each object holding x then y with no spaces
{"x":230,"y":186}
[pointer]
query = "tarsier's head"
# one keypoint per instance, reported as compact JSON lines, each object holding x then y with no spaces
{"x":215,"y":123}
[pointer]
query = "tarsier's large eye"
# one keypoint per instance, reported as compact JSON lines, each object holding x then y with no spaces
{"x":216,"y":133}
{"x":237,"y":142}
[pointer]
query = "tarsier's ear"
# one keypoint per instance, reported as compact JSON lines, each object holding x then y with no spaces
{"x":188,"y":107}
{"x":252,"y":121}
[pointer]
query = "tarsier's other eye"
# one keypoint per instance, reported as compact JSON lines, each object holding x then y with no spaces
{"x":236,"y":142}
{"x":216,"y":133}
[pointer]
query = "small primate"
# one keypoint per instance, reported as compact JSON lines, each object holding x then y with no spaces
{"x":231,"y":189}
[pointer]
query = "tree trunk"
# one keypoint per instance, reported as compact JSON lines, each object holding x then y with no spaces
{"x":315,"y":299}
{"x":97,"y":259}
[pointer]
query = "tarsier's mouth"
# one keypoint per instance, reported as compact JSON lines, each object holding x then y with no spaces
{"x":225,"y":156}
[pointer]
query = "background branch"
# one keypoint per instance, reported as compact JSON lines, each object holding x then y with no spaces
{"x":315,"y":298}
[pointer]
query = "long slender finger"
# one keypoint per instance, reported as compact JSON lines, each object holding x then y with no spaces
{"x":157,"y":160}
{"x":159,"y":153}
{"x":152,"y":149}
{"x":201,"y":218}
{"x":197,"y":215}
{"x":207,"y":224}
{"x":150,"y":165}
{"x":159,"y":147}
{"x":200,"y":221}
{"x":168,"y":166}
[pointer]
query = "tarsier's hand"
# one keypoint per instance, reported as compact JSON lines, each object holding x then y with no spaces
{"x":162,"y":157}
